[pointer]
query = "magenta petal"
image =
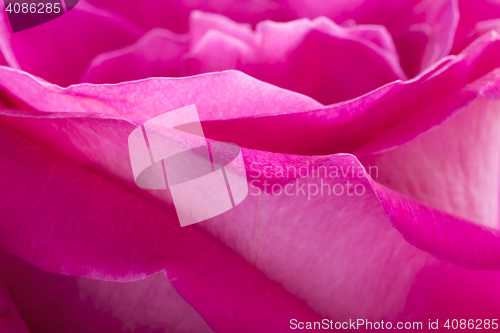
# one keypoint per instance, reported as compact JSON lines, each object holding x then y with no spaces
{"x":10,"y":321}
{"x":422,"y":30}
{"x":454,"y":167}
{"x":217,"y":51}
{"x":319,"y":59}
{"x":445,"y":291}
{"x":3,"y":62}
{"x":344,"y":229}
{"x":335,"y":220}
{"x":57,"y":303}
{"x":338,"y":68}
{"x":117,"y":235}
{"x":60,"y":50}
{"x":345,"y":62}
{"x":445,"y":236}
{"x":133,"y":238}
{"x":174,"y":14}
{"x":476,"y":18}
{"x":200,"y":23}
{"x":149,"y":98}
{"x":389,"y":117}
{"x":447,"y":153}
{"x":420,"y":104}
{"x":69,"y":203}
{"x":156,"y":54}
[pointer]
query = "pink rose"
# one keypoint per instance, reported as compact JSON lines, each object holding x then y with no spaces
{"x":389,"y":111}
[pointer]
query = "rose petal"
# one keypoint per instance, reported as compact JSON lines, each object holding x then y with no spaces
{"x":10,"y":321}
{"x":200,"y":23}
{"x":445,"y":236}
{"x":403,"y":107}
{"x":134,"y":238}
{"x":60,"y":50}
{"x":446,"y":292}
{"x":343,"y":229}
{"x":317,"y":58}
{"x":454,"y":167}
{"x":174,"y":14}
{"x":422,"y":30}
{"x":156,"y":54}
{"x":260,"y":229}
{"x":275,"y":53}
{"x":350,"y":126}
{"x":447,"y":156}
{"x":324,"y":234}
{"x":57,"y":303}
{"x":149,"y":98}
{"x":420,"y":104}
{"x":476,"y":18}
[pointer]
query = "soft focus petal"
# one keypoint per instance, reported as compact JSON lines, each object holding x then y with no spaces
{"x":156,"y":54}
{"x":57,"y":303}
{"x":174,"y":14}
{"x":419,"y":104}
{"x":476,"y":18}
{"x":342,"y":63}
{"x":60,"y":50}
{"x":316,"y":58}
{"x":422,"y":30}
{"x":200,"y":23}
